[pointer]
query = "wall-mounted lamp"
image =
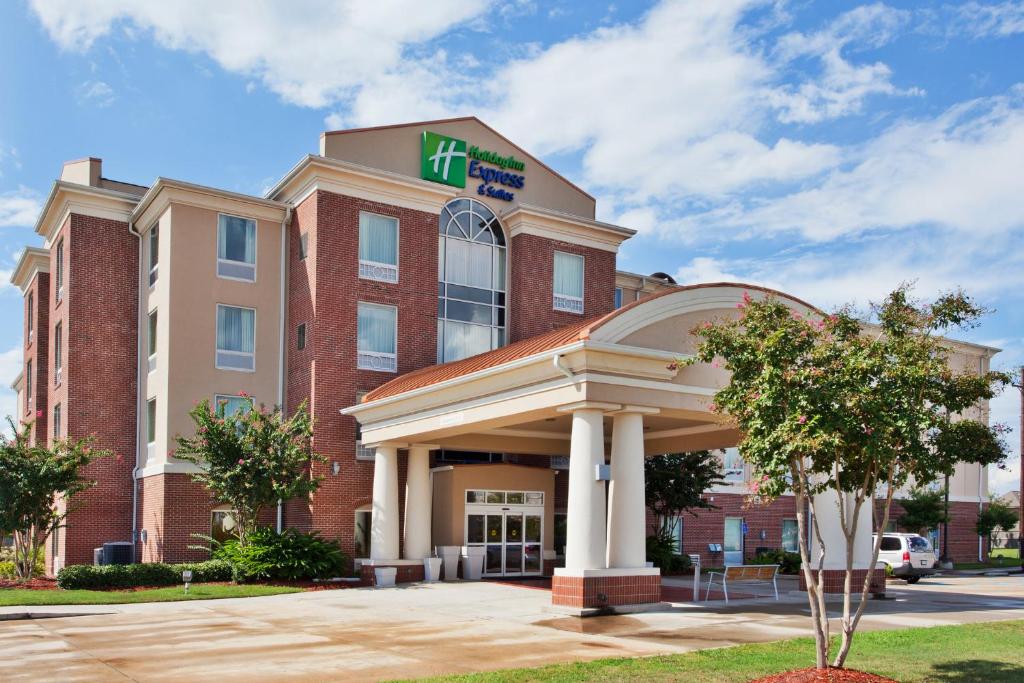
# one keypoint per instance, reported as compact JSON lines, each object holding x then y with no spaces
{"x":335,"y":468}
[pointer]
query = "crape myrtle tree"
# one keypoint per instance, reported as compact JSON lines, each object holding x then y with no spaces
{"x":32,"y":478}
{"x":829,"y":404}
{"x":251,"y":459}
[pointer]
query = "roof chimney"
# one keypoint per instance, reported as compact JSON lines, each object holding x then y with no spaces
{"x":85,"y":171}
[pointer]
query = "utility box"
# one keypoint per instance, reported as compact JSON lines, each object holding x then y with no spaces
{"x":119,"y":552}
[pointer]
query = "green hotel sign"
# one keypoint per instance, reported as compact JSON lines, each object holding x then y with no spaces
{"x":450,"y":161}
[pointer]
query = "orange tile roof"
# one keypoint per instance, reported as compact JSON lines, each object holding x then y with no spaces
{"x":549,"y":341}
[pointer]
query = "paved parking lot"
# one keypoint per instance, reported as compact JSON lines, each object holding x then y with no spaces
{"x":421,"y":630}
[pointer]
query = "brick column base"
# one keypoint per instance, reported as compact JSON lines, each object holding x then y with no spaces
{"x":835,"y":578}
{"x":605,"y":591}
{"x":407,"y":573}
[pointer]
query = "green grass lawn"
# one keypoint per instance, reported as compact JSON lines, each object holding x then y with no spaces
{"x":19,"y":596}
{"x":992,"y":653}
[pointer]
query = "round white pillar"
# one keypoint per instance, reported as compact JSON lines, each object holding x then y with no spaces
{"x":585,"y":523}
{"x":417,"y":504}
{"x":826,"y":508}
{"x":384,"y":517}
{"x":627,"y":514}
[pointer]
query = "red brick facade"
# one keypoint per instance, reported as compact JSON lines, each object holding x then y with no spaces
{"x":604,"y":591}
{"x":171,"y":508}
{"x":37,"y":348}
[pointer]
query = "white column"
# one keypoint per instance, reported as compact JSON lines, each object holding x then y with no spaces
{"x":585,"y":525}
{"x":417,"y":504}
{"x":627,"y":514}
{"x":384,"y":518}
{"x":826,"y":508}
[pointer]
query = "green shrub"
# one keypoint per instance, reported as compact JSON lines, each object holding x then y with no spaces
{"x":789,"y":563}
{"x":291,"y":555}
{"x":661,"y":550}
{"x":86,"y":576}
{"x":7,"y":570}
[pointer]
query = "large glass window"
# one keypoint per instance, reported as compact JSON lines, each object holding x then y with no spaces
{"x":236,"y":338}
{"x":568,"y":282}
{"x":236,"y":248}
{"x":378,"y":247}
{"x":377,"y":342}
{"x":471,"y":281}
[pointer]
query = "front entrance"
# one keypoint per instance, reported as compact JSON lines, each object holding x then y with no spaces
{"x":509,"y":527}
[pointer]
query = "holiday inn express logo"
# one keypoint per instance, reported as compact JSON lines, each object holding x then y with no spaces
{"x":444,"y":159}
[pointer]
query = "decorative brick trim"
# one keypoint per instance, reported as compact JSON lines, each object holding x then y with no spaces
{"x":407,"y":573}
{"x":604,"y":591}
{"x":835,"y":578}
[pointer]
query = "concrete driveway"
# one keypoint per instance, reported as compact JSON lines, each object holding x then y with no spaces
{"x":421,"y":630}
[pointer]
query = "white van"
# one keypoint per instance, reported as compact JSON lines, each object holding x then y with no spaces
{"x":909,"y":555}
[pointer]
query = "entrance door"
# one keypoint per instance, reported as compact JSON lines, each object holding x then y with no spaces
{"x":732,"y":546}
{"x":512,"y":541}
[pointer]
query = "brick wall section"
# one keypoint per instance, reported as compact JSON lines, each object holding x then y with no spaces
{"x":99,"y":314}
{"x":835,"y":579}
{"x":604,"y":591}
{"x":407,"y":573}
{"x":532,"y":282}
{"x":324,"y":293}
{"x":37,"y":351}
{"x":171,"y":508}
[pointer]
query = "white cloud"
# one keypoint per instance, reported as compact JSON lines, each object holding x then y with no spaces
{"x":97,"y":93}
{"x":19,"y":208}
{"x":980,"y":21}
{"x":310,"y":52}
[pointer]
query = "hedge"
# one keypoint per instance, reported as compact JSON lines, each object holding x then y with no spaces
{"x":80,"y":576}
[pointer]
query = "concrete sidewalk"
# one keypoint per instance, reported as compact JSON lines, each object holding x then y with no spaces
{"x":421,"y":630}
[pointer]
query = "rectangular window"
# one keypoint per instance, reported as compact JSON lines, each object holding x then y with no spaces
{"x":56,"y":421}
{"x":150,"y":428}
{"x":618,"y":297}
{"x":568,"y":283}
{"x":790,"y":537}
{"x":303,"y":246}
{"x":378,"y":247}
{"x":236,"y":248}
{"x":362,"y":453}
{"x":58,"y":354}
{"x":228,"y":405}
{"x":154,"y":253}
{"x":300,"y":337}
{"x":236,"y":338}
{"x":377,"y":338}
{"x":732,"y":465}
{"x":152,"y":341}
{"x":60,"y":271}
{"x":674,"y":526}
{"x":31,"y":306}
{"x":28,"y":386}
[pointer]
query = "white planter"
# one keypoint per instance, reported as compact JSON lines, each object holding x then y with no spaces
{"x":431,"y":569}
{"x":450,"y":555}
{"x":384,"y":577}
{"x":472,"y":566}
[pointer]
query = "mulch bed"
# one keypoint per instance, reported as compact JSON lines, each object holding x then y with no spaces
{"x":829,"y":675}
{"x":36,"y":584}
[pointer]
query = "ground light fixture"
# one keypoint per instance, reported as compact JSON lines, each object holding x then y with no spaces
{"x":186,"y":577}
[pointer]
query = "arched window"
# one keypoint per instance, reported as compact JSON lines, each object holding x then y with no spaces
{"x":471,"y":281}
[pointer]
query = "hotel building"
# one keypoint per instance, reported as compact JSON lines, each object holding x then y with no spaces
{"x":448,"y":306}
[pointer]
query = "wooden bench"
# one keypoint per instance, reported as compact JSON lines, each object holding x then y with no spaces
{"x":744,"y":573}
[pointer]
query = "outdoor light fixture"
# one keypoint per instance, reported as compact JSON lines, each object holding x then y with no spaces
{"x":335,"y":468}
{"x":186,"y":577}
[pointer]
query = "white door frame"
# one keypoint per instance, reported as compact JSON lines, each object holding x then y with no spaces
{"x":497,"y":509}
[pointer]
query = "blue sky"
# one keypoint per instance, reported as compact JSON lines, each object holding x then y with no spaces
{"x":829,"y":149}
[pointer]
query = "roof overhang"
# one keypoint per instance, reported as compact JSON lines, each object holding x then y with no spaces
{"x":66,"y":198}
{"x":19,"y":382}
{"x":33,"y":260}
{"x":167,"y":191}
{"x":535,"y":220}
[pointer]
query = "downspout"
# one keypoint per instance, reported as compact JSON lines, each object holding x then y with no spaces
{"x":281,"y":336}
{"x":558,"y":360}
{"x":138,"y":396}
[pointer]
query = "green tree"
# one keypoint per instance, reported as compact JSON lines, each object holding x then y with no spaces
{"x":995,"y":516}
{"x":251,"y":459}
{"x":32,"y":479}
{"x":833,"y":404}
{"x":675,"y":483}
{"x":925,"y":509}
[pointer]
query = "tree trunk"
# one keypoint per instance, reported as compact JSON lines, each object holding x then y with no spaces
{"x":945,"y":524}
{"x":814,"y":596}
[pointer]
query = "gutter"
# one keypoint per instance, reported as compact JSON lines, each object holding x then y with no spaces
{"x":558,"y":360}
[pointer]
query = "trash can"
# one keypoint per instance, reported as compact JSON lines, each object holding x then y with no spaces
{"x":384,"y":577}
{"x":450,"y":555}
{"x":431,"y":569}
{"x":472,"y":562}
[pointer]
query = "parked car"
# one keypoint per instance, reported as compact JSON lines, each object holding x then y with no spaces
{"x":910,"y":556}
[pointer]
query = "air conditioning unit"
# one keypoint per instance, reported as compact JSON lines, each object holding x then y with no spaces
{"x":119,"y":552}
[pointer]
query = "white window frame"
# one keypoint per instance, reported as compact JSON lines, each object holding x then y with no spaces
{"x":376,"y":361}
{"x":236,"y":354}
{"x":564,"y":302}
{"x":31,"y":305}
{"x":57,"y":419}
{"x":362,"y":453}
{"x":150,"y":338}
{"x":374,"y":270}
{"x":151,"y":426}
{"x":60,"y":271}
{"x":154,"y":268}
{"x":237,"y":264}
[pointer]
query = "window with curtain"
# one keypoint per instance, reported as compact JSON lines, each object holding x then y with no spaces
{"x":236,"y":338}
{"x":378,"y":247}
{"x":227,"y":405}
{"x":471,"y":281}
{"x":58,"y":354}
{"x":236,"y":248}
{"x":790,"y":536}
{"x":377,"y":338}
{"x":152,"y":341}
{"x":154,"y":253}
{"x":60,"y":270}
{"x":568,"y":282}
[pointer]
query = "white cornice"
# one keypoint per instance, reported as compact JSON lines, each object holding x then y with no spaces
{"x":534,"y":220}
{"x":33,"y":260}
{"x":66,"y":198}
{"x":167,"y":191}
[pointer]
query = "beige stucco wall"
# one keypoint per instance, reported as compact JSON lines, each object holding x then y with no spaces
{"x":186,"y":296}
{"x":397,"y":149}
{"x":449,"y":496}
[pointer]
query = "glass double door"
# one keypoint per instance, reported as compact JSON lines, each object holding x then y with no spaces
{"x":511,"y":541}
